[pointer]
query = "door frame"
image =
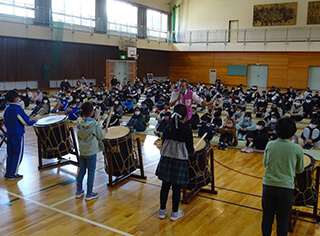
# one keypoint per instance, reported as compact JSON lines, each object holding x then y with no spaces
{"x":108,"y":75}
{"x":309,"y":75}
{"x":257,"y":65}
{"x":229,"y":31}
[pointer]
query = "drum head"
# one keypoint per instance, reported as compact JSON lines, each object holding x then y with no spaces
{"x":201,"y":145}
{"x":50,"y":120}
{"x":307,"y":160}
{"x":117,"y":132}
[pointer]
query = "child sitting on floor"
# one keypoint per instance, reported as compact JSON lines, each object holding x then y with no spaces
{"x":311,"y":135}
{"x":245,"y":126}
{"x":259,"y":138}
{"x":205,"y":126}
{"x":228,"y":135}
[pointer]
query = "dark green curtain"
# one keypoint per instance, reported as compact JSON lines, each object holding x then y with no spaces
{"x":55,"y":53}
{"x":173,"y":24}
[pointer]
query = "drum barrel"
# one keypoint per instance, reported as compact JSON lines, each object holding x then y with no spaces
{"x":199,"y":168}
{"x":305,"y":193}
{"x":122,"y":155}
{"x":54,"y":139}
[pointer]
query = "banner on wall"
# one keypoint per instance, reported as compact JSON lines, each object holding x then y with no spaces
{"x":212,"y":76}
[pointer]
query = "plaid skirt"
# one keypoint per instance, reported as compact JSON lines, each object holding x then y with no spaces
{"x":173,"y":171}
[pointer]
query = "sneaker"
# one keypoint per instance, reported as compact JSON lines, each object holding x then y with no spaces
{"x":249,"y":150}
{"x":92,"y":196}
{"x":162,"y":213}
{"x":176,"y":215}
{"x":13,"y":177}
{"x":244,"y":149}
{"x":53,"y":111}
{"x":79,"y":194}
{"x":225,"y":146}
{"x":220,"y":146}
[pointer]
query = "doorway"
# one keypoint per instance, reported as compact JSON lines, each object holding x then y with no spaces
{"x":257,"y":75}
{"x":314,"y":78}
{"x":121,"y":69}
{"x":233,"y":31}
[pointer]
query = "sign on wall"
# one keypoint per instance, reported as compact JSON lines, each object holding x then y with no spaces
{"x":275,"y":14}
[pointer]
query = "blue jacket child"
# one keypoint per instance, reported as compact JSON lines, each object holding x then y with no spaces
{"x":15,"y":119}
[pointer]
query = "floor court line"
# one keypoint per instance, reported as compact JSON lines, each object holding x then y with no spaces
{"x":71,"y":215}
{"x":72,"y":197}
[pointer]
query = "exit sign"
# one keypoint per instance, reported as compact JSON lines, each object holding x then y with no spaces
{"x":122,"y":57}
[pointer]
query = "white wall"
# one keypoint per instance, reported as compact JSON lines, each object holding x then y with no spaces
{"x":215,"y":14}
{"x":162,"y":5}
{"x":11,"y":29}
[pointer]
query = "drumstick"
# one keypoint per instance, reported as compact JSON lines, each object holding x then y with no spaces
{"x":99,"y":114}
{"x":198,"y":143}
{"x":109,"y":117}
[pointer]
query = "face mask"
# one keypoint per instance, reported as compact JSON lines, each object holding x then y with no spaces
{"x":182,"y":90}
{"x":247,"y":118}
{"x":297,"y":104}
{"x":137,"y":113}
{"x":273,"y":120}
{"x":83,"y":96}
{"x":308,"y":101}
{"x":18,"y":100}
{"x":237,"y":101}
{"x":193,"y":113}
{"x":237,"y":112}
{"x":98,"y":93}
{"x":312,"y":126}
{"x":116,"y":102}
{"x":243,"y":99}
{"x":24,"y":94}
{"x":143,"y":107}
{"x":259,"y":127}
{"x":45,"y":101}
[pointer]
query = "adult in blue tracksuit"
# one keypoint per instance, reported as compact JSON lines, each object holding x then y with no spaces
{"x":15,"y":119}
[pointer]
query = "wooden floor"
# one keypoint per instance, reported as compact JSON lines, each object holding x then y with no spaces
{"x":43,"y":202}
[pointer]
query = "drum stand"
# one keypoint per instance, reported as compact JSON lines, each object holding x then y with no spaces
{"x":61,"y":161}
{"x":111,"y":182}
{"x":296,"y":213}
{"x":3,"y":134}
{"x":188,"y":196}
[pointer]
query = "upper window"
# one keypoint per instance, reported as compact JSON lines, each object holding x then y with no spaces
{"x":78,"y":12}
{"x":24,"y":8}
{"x":122,"y":16}
{"x":157,"y":24}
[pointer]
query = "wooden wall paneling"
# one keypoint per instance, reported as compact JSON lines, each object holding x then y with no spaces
{"x":152,"y":61}
{"x":299,"y":64}
{"x":277,"y":68}
{"x":285,"y":69}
